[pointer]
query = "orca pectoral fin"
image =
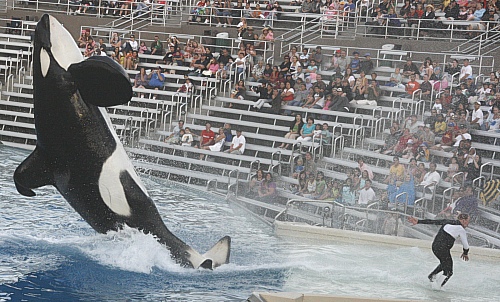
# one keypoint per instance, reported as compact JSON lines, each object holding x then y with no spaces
{"x":33,"y":172}
{"x":220,"y":252}
{"x":101,"y":81}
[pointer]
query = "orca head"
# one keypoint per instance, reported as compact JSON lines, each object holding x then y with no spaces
{"x":58,"y":62}
{"x":55,"y":48}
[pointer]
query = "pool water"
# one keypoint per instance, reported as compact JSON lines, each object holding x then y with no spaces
{"x":49,"y":253}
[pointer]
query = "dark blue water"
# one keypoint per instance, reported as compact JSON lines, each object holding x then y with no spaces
{"x":48,"y":253}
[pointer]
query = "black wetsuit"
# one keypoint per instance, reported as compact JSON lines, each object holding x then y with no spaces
{"x":442,"y":244}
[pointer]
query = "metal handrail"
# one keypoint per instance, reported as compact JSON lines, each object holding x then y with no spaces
{"x":486,"y":165}
{"x":458,"y":174}
{"x":210,"y":182}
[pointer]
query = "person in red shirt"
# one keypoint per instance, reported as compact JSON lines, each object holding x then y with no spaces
{"x":411,"y":87}
{"x":207,"y":136}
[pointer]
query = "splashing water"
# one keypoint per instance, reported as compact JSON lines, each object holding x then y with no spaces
{"x":48,"y":252}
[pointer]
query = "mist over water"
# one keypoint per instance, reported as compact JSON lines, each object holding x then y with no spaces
{"x":49,"y":253}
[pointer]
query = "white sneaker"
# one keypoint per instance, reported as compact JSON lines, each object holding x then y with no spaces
{"x":206,"y":21}
{"x":225,"y":25}
{"x":218,"y":25}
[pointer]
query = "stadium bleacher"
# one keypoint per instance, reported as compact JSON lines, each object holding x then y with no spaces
{"x":145,"y":122}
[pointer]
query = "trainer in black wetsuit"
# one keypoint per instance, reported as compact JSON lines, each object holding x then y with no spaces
{"x":443,"y":242}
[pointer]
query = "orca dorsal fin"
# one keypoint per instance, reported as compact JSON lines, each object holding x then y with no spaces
{"x":33,"y":172}
{"x":101,"y":81}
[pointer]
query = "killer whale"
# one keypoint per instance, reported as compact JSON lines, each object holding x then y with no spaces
{"x":79,"y":153}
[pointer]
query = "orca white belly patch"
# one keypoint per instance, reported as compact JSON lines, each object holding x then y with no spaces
{"x":110,"y":187}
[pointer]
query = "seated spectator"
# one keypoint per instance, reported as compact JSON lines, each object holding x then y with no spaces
{"x":187,"y":139}
{"x":213,"y":68}
{"x":366,"y":194}
{"x":254,"y":184}
{"x":265,"y":95}
{"x":310,"y":185}
{"x":355,"y":63}
{"x":238,"y":144}
{"x":299,"y":99}
{"x":396,"y":172}
{"x":311,"y":70}
{"x":348,"y":192}
{"x":410,"y":69}
{"x":156,"y":46}
{"x":156,"y":79}
{"x":187,"y":87}
{"x":452,"y":68}
{"x":299,"y":168}
{"x":409,"y":151}
{"x":272,"y":14}
{"x":141,"y":79}
{"x":132,"y":61}
{"x":199,"y":11}
{"x":267,"y":189}
{"x":472,"y":166}
{"x":407,"y":186}
{"x":367,"y":64}
{"x":219,"y":141}
{"x":423,"y":153}
{"x":427,"y":68}
{"x":174,"y":137}
{"x":412,"y":124}
{"x":310,"y":165}
{"x":438,"y":79}
{"x":302,"y":187}
{"x":492,"y":122}
{"x":428,"y":17}
{"x":320,"y":187}
{"x":431,"y":178}
{"x":411,"y":87}
{"x":392,"y":139}
{"x":373,"y":93}
{"x":339,"y":101}
{"x":426,"y":88}
{"x":257,"y":72}
{"x":207,"y":136}
{"x":331,"y":192}
{"x":287,"y":94}
{"x":276,"y":102}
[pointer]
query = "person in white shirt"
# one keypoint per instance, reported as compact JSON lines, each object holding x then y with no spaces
{"x":477,"y":119}
{"x":240,"y":64}
{"x":462,"y":134}
{"x":465,"y":71}
{"x":443,"y":242}
{"x":431,"y":178}
{"x":187,"y":138}
{"x":366,"y":194}
{"x":238,"y":144}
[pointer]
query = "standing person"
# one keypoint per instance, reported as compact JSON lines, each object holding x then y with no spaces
{"x":443,"y":242}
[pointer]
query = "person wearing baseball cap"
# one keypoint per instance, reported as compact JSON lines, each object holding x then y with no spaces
{"x":339,"y":101}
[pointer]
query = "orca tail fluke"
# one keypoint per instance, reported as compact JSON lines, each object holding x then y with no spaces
{"x":215,"y":257}
{"x":220,"y":252}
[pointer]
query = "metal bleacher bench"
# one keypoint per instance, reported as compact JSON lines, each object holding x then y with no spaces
{"x":240,"y":158}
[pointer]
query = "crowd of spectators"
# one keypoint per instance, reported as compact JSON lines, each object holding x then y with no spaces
{"x":431,"y":17}
{"x":297,"y":81}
